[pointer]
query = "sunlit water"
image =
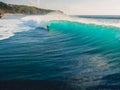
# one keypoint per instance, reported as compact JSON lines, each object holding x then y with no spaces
{"x":76,"y":53}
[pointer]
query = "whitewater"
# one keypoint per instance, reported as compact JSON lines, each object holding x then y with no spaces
{"x":9,"y":27}
{"x":70,"y":52}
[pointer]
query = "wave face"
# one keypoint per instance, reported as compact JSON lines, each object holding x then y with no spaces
{"x":77,"y":53}
{"x":94,"y":48}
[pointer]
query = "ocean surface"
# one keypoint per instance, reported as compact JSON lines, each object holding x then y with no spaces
{"x":81,"y":51}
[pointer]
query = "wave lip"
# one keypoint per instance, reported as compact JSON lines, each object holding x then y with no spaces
{"x":8,"y":27}
{"x":43,"y":20}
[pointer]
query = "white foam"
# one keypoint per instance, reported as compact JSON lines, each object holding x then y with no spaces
{"x":99,"y":22}
{"x":42,"y":21}
{"x":8,"y":28}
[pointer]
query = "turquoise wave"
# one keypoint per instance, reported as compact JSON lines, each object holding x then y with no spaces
{"x":78,"y":54}
{"x":98,"y":42}
{"x":104,"y":37}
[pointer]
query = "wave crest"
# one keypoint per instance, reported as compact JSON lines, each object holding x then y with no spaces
{"x":9,"y":27}
{"x":43,"y":20}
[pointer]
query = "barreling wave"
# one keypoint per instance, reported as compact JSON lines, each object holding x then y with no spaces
{"x":98,"y":43}
{"x":102,"y":34}
{"x":43,"y":20}
{"x":9,"y":27}
{"x":75,"y":50}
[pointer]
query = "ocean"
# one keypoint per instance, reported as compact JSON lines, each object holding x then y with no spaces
{"x":80,"y":51}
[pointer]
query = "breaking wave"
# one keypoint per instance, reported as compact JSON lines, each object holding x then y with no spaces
{"x":8,"y":27}
{"x":81,"y":52}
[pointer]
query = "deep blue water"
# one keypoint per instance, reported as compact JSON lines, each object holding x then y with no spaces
{"x":75,"y":53}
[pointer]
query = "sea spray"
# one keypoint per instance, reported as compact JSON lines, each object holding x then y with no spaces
{"x":9,"y":27}
{"x":76,"y":53}
{"x":43,"y":20}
